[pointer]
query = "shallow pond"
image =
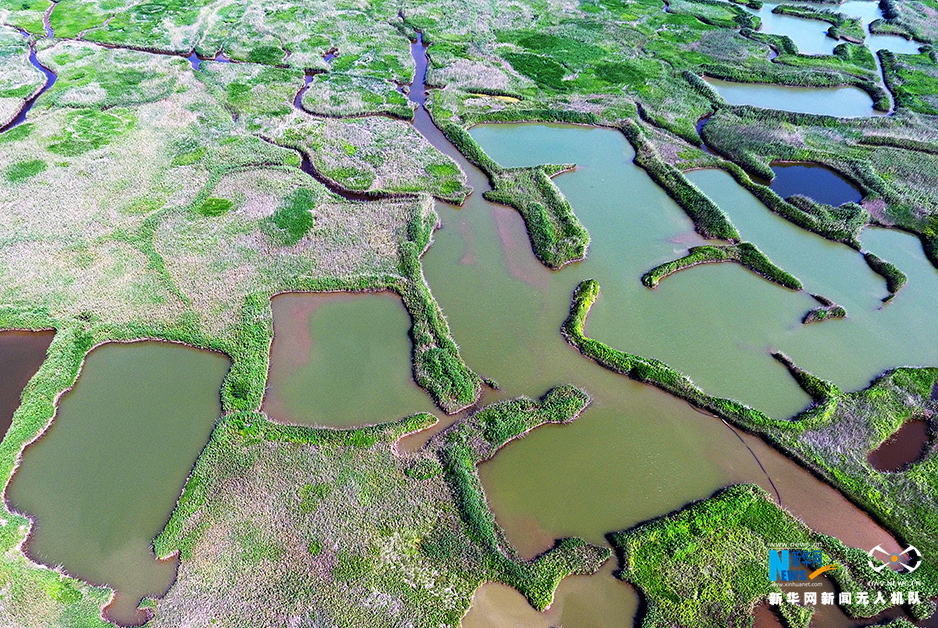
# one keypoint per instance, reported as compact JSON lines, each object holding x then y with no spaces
{"x":840,"y":102}
{"x":908,"y":444}
{"x":21,"y":355}
{"x":814,"y":181}
{"x":341,"y":360}
{"x":102,"y":481}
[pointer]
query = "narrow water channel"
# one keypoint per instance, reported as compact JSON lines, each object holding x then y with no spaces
{"x":104,"y":478}
{"x":50,"y":81}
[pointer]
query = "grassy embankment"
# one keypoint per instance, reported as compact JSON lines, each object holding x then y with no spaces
{"x":707,"y":564}
{"x":832,"y":437}
{"x":557,"y":236}
{"x":912,"y":19}
{"x":842,"y":27}
{"x":308,"y":523}
{"x":744,"y":254}
{"x":913,"y":79}
{"x":709,"y":220}
{"x":894,"y":277}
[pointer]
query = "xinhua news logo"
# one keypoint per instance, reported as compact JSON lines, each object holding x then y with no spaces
{"x":792,"y":565}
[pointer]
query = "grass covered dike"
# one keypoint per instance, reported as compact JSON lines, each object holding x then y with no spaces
{"x":310,"y":522}
{"x":745,"y":254}
{"x":557,"y":236}
{"x":832,"y":437}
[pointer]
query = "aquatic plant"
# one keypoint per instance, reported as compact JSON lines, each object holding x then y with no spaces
{"x":894,"y":277}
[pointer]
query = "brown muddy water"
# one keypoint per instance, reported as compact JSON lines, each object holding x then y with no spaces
{"x":101,"y":482}
{"x":909,"y":443}
{"x":21,"y":355}
{"x":340,"y":360}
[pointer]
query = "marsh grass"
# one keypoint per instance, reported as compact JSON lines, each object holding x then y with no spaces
{"x":706,"y":563}
{"x":346,"y":519}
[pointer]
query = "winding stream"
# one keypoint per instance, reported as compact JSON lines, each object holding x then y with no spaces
{"x":50,"y":81}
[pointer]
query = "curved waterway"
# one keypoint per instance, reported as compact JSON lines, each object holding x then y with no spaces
{"x":21,"y":355}
{"x":50,"y":81}
{"x":102,"y":481}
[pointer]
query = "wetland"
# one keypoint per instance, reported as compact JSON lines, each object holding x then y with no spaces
{"x":102,"y":481}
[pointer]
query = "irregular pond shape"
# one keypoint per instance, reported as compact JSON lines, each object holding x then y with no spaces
{"x":909,"y":443}
{"x":580,"y":602}
{"x":102,"y":481}
{"x":874,"y":336}
{"x":814,"y":181}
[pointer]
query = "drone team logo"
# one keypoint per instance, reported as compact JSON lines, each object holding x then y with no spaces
{"x":912,"y":561}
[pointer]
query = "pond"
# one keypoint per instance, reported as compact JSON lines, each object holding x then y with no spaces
{"x":102,"y":481}
{"x":840,"y":102}
{"x":909,"y":443}
{"x":21,"y":355}
{"x":339,"y":360}
{"x":814,"y":181}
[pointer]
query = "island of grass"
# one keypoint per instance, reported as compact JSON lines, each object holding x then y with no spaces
{"x":745,"y":254}
{"x":842,"y":27}
{"x":894,"y":277}
{"x":828,"y":310}
{"x":707,"y":564}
